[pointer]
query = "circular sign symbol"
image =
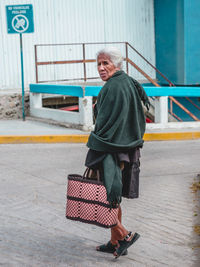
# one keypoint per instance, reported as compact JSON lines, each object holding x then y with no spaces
{"x":20,"y":23}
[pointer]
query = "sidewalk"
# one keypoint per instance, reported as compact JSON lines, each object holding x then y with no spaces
{"x":35,"y":131}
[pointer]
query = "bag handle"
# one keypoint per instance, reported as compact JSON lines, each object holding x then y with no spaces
{"x":91,"y":174}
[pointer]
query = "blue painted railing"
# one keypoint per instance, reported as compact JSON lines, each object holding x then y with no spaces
{"x":92,"y":90}
{"x":172,"y":91}
{"x":74,"y":90}
{"x":154,"y":91}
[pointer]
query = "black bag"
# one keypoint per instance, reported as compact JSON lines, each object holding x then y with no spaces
{"x":130,"y":180}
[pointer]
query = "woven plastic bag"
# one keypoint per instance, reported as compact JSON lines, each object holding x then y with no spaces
{"x":87,"y":201}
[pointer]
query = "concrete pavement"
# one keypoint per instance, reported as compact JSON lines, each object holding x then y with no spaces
{"x":38,"y":131}
{"x":41,"y":131}
{"x":33,"y":228}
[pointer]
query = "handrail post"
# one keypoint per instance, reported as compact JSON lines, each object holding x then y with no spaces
{"x":84,"y":65}
{"x":126,"y":47}
{"x":171,"y":106}
{"x":36,"y":66}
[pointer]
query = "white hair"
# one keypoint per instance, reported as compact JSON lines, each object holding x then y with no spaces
{"x":114,"y":54}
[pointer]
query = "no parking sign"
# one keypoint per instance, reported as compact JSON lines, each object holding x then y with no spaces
{"x":20,"y":20}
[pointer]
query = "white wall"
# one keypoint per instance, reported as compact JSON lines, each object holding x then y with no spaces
{"x":74,"y":21}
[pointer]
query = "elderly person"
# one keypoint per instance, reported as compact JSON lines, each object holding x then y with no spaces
{"x":114,"y":145}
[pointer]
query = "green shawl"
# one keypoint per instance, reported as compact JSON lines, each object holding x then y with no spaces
{"x":119,"y":126}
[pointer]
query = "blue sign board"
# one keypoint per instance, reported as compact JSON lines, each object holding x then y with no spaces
{"x":20,"y":19}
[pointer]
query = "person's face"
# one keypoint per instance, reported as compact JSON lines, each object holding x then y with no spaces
{"x":105,"y":67}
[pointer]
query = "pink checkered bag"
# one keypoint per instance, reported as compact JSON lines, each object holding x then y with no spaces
{"x":87,"y":202}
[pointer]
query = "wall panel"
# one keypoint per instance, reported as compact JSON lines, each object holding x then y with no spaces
{"x":74,"y":21}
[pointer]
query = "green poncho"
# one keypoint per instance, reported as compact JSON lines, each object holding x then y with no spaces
{"x":120,"y":126}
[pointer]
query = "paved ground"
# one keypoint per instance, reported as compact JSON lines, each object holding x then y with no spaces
{"x":34,"y":127}
{"x":41,"y":131}
{"x":33,"y":228}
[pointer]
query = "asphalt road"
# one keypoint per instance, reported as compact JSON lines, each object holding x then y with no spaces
{"x":33,"y":228}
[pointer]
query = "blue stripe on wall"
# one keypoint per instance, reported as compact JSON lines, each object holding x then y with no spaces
{"x":192,"y":41}
{"x":169,"y":39}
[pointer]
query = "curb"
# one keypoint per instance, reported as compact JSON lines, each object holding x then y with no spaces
{"x":32,"y":139}
{"x":171,"y":136}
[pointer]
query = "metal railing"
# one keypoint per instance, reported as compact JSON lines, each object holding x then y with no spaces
{"x":129,"y":62}
{"x":84,"y":61}
{"x":171,"y":98}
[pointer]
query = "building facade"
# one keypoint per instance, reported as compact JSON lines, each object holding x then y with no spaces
{"x":177,"y":38}
{"x":74,"y":21}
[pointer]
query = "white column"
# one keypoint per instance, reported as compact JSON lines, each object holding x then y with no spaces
{"x":161,"y":109}
{"x":86,"y":112}
{"x":35,"y":100}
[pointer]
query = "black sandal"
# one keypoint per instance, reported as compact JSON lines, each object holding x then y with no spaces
{"x":125,"y":244}
{"x":110,"y":248}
